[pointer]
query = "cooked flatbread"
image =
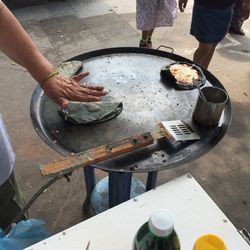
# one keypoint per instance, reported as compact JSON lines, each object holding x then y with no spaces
{"x":184,"y":73}
{"x":70,"y":68}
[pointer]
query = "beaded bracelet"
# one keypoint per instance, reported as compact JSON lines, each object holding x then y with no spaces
{"x":53,"y":73}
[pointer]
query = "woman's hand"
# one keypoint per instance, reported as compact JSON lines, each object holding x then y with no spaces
{"x":61,"y":90}
{"x":182,"y":5}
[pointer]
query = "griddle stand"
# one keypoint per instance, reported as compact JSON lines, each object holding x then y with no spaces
{"x":112,"y":65}
{"x":121,"y":187}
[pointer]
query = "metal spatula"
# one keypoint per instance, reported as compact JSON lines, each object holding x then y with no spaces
{"x":171,"y":130}
{"x":177,"y":130}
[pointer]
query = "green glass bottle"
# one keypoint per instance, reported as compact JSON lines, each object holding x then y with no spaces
{"x":158,"y":233}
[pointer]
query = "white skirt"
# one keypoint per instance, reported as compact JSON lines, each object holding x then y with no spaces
{"x":155,"y":13}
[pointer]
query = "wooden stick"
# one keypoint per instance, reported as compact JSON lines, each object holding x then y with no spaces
{"x":95,"y":155}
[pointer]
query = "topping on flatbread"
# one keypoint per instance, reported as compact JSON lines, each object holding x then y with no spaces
{"x":184,"y":73}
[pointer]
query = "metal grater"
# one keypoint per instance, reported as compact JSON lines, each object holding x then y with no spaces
{"x":180,"y":130}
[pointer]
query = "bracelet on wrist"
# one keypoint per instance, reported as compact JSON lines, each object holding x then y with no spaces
{"x":53,"y":73}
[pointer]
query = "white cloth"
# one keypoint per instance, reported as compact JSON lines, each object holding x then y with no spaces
{"x":7,"y":156}
{"x":155,"y":13}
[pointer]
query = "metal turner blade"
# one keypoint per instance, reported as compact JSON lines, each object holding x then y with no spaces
{"x":176,"y":130}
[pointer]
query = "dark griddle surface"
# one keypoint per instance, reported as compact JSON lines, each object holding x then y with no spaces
{"x":131,"y":75}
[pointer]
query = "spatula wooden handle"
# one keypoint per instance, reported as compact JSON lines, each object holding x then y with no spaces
{"x":95,"y":155}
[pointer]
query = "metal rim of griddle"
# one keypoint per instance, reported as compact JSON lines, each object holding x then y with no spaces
{"x":41,"y":131}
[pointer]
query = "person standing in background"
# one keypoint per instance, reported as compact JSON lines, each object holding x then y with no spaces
{"x":241,"y":14}
{"x":151,"y":14}
{"x":210,"y":23}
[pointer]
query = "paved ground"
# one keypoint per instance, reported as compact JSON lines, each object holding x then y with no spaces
{"x":64,"y":29}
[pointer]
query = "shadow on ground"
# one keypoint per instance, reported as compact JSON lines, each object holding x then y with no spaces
{"x":235,"y":47}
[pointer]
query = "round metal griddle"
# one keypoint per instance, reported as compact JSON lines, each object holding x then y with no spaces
{"x":131,"y":75}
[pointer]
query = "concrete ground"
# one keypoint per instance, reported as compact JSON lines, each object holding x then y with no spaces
{"x":68,"y":28}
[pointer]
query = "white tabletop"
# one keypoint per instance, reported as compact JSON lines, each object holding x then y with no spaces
{"x":194,"y":211}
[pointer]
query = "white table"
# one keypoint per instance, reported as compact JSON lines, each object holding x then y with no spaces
{"x":194,"y":211}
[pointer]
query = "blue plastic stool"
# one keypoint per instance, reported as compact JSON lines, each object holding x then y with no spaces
{"x":112,"y":190}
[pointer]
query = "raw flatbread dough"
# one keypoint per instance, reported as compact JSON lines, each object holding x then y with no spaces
{"x":87,"y":112}
{"x":69,"y":68}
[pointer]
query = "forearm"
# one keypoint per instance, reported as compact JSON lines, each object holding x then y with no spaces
{"x":18,"y":46}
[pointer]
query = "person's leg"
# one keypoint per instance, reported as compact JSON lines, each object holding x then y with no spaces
{"x":204,"y":54}
{"x":10,"y":202}
{"x":210,"y":26}
{"x":149,"y":41}
{"x":144,"y":34}
{"x":144,"y":37}
{"x":238,"y":19}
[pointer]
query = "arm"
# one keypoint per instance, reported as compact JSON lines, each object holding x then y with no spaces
{"x":182,"y":5}
{"x":246,"y":9}
{"x":18,"y":46}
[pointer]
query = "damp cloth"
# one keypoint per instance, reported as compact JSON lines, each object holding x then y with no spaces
{"x":91,"y":112}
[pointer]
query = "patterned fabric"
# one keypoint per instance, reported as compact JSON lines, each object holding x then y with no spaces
{"x":155,"y":13}
{"x":238,"y":18}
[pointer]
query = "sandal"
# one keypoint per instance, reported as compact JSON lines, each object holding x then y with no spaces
{"x":236,"y":31}
{"x":149,"y":42}
{"x":143,"y":43}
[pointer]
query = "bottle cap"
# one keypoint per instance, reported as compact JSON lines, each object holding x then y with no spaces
{"x":161,"y":222}
{"x":209,"y":242}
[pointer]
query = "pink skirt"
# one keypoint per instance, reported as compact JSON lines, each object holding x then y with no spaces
{"x":155,"y":13}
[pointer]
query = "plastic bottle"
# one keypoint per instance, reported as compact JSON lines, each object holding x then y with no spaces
{"x":157,"y":233}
